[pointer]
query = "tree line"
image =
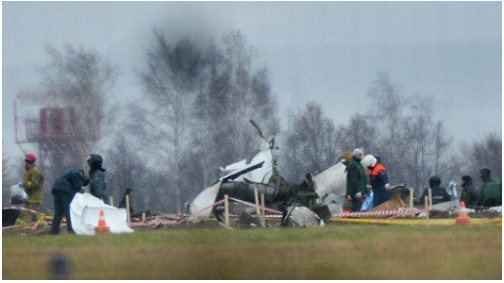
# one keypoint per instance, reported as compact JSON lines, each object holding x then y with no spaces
{"x":193,"y":117}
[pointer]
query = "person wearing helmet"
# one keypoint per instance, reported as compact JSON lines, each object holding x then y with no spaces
{"x":63,"y":191}
{"x":439,"y":194}
{"x":97,"y":183}
{"x":33,"y":184}
{"x":378,"y":178}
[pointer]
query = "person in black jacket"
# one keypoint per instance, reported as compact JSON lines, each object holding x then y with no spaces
{"x":439,"y":194}
{"x":64,"y":190}
{"x":469,"y":193}
{"x":97,"y":182}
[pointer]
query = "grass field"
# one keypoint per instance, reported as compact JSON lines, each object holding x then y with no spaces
{"x":336,"y":251}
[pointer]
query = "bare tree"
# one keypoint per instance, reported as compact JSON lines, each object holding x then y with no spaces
{"x":427,"y":144}
{"x":126,"y":169}
{"x":211,"y":141}
{"x":292,"y":162}
{"x":170,"y":84}
{"x":441,"y":146}
{"x":387,"y":115}
{"x":420,"y":136}
{"x":310,"y":142}
{"x":232,"y":93}
{"x":78,"y":82}
{"x":485,"y":153}
{"x":358,"y":133}
{"x":249,"y":96}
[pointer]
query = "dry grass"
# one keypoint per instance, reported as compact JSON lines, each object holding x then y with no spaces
{"x":332,"y":252}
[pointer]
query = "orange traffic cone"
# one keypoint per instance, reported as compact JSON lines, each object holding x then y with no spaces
{"x":102,"y":227}
{"x":462,"y":217}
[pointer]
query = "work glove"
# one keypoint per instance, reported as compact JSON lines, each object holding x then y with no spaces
{"x":368,"y":187}
{"x":387,"y":186}
{"x":358,"y":195}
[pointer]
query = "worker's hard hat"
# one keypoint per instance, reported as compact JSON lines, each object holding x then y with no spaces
{"x":30,"y":157}
{"x":94,"y":161}
{"x":368,"y":161}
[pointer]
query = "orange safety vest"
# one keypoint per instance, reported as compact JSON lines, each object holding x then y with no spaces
{"x":376,"y":170}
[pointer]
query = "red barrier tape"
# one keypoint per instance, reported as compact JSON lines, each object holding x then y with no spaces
{"x":380,"y":213}
{"x":22,"y":209}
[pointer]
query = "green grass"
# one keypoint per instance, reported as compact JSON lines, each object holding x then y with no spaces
{"x":331,"y":252}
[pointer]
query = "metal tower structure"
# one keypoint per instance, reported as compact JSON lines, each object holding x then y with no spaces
{"x":49,"y":127}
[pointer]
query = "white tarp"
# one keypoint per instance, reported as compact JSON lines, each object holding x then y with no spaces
{"x":85,"y":214}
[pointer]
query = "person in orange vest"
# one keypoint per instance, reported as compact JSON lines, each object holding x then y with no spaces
{"x":378,"y":177}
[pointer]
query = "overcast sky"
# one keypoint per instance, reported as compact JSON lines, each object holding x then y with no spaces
{"x":325,"y":52}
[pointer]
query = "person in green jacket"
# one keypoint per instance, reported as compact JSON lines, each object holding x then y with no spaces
{"x":64,"y":190}
{"x":356,"y":181}
{"x":491,"y":192}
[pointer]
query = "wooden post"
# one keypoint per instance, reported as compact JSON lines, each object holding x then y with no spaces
{"x":263,"y":208}
{"x":143,"y":216}
{"x":111,"y":199}
{"x":426,"y":204}
{"x":258,"y":212}
{"x":226,"y":209}
{"x":128,"y":208}
{"x":430,"y":198}
{"x":411,"y":193}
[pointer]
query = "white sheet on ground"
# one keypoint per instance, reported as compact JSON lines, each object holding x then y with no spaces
{"x":85,"y":214}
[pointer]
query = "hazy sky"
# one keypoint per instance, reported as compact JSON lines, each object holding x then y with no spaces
{"x":326,"y":52}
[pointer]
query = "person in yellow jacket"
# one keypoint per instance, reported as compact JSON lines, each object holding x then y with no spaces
{"x":33,"y":184}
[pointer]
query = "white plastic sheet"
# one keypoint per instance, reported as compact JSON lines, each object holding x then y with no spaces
{"x":85,"y":214}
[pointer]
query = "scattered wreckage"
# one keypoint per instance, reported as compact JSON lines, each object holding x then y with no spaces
{"x":242,"y":182}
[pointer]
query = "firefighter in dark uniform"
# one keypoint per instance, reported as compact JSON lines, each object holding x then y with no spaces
{"x":64,"y":190}
{"x":97,"y":183}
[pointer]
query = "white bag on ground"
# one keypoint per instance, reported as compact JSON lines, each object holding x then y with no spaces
{"x":85,"y":214}
{"x":18,"y":193}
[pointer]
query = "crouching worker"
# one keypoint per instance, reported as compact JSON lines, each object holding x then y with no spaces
{"x":64,"y":190}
